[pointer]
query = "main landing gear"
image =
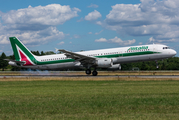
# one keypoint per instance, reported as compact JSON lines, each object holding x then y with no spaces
{"x":94,"y":73}
{"x":156,"y":64}
{"x":88,"y":71}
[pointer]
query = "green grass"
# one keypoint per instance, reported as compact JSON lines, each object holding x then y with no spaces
{"x":89,"y":100}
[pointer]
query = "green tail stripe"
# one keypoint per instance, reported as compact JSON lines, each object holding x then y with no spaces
{"x":14,"y":41}
{"x":14,"y":48}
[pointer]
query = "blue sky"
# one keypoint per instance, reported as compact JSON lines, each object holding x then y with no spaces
{"x":76,"y":25}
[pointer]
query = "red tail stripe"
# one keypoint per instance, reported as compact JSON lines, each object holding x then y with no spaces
{"x":24,"y":58}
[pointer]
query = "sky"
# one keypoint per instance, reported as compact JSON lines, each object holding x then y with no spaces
{"x":77,"y":25}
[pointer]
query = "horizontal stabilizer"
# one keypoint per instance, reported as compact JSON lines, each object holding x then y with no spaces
{"x":19,"y":62}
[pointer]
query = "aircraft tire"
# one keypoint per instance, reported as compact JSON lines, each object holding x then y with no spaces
{"x":95,"y":73}
{"x":88,"y":71}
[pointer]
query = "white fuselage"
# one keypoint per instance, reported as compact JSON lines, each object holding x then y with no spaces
{"x":118,"y":55}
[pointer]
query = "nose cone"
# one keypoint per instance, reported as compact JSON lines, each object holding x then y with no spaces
{"x":173,"y":52}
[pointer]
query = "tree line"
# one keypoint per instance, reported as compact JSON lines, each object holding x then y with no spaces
{"x":166,"y":64}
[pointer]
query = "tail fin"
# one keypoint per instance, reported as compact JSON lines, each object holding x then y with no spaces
{"x":21,"y":52}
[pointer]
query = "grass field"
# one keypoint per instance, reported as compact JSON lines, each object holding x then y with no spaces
{"x":58,"y":99}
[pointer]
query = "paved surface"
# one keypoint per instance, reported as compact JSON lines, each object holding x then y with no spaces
{"x":137,"y":76}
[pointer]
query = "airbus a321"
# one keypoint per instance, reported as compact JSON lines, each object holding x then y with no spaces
{"x":103,"y":58}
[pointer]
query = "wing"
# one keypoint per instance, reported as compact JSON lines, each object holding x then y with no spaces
{"x":79,"y":57}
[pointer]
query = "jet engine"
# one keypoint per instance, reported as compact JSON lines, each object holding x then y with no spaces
{"x":104,"y":63}
{"x":115,"y":67}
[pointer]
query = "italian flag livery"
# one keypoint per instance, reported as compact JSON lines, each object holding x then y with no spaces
{"x":103,"y":58}
{"x":21,"y":53}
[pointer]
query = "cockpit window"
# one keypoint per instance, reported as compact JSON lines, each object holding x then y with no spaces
{"x":166,"y":48}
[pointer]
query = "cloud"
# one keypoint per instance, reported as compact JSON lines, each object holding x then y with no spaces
{"x":101,"y":40}
{"x":4,"y":39}
{"x":97,"y":33}
{"x":93,"y":15}
{"x":140,"y":43}
{"x":61,"y":43}
{"x":34,"y":37}
{"x":117,"y":40}
{"x":121,"y":42}
{"x":152,"y":40}
{"x":53,"y":14}
{"x":93,"y":6}
{"x":35,"y":25}
{"x":90,"y":33}
{"x":81,"y":19}
{"x":99,"y":23}
{"x":76,"y":36}
{"x":159,"y":19}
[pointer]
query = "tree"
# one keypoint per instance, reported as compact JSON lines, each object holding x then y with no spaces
{"x":42,"y":53}
{"x":3,"y":63}
{"x":49,"y":53}
{"x":36,"y":53}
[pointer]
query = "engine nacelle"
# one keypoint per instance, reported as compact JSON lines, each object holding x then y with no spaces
{"x":115,"y":67}
{"x":104,"y":62}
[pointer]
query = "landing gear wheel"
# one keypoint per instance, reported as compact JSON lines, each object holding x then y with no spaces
{"x":88,"y":71}
{"x":95,"y":73}
{"x":156,"y":64}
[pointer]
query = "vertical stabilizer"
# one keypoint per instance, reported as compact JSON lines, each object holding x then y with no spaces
{"x":21,"y":52}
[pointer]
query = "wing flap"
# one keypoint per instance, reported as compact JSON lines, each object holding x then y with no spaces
{"x":85,"y":60}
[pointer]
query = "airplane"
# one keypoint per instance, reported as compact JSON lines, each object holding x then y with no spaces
{"x":102,"y":58}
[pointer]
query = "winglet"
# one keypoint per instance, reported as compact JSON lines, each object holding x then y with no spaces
{"x":56,"y":49}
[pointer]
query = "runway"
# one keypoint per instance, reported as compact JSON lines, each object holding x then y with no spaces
{"x":90,"y":76}
{"x":81,"y":74}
